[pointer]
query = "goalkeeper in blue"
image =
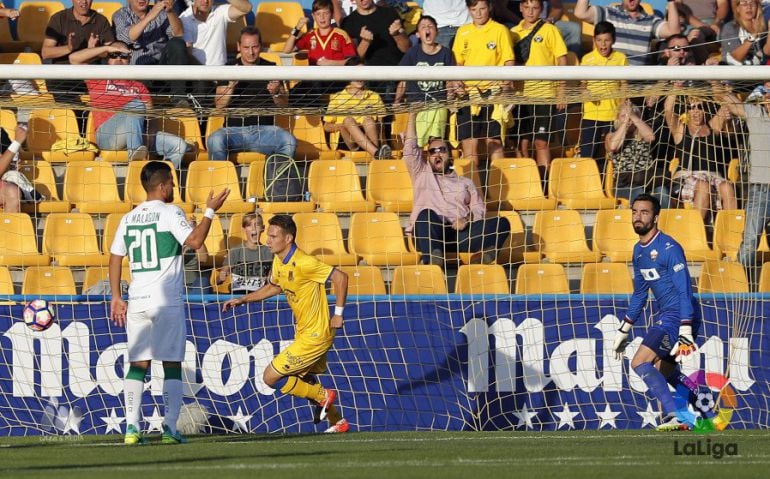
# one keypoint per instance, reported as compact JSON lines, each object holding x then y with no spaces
{"x":660,"y":266}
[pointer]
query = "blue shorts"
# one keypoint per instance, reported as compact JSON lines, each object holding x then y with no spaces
{"x":662,"y":336}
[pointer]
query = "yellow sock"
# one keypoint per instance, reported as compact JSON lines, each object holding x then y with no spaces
{"x":302,"y":389}
{"x":333,"y":416}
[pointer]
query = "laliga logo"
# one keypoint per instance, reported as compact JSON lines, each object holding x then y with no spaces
{"x":718,"y":411}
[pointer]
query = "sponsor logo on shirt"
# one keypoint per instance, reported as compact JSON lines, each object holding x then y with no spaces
{"x":649,"y":274}
{"x":678,"y":267}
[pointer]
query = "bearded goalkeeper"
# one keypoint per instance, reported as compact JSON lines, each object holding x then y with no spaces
{"x":302,"y":278}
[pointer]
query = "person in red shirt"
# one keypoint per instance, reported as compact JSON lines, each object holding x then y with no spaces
{"x":119,"y":109}
{"x":325,"y":44}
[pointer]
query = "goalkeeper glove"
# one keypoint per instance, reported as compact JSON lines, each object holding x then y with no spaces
{"x":685,"y":344}
{"x":621,"y":340}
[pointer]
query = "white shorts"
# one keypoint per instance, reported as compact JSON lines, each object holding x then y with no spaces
{"x":156,"y":334}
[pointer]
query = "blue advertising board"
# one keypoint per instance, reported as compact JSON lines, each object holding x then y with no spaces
{"x":439,"y":363}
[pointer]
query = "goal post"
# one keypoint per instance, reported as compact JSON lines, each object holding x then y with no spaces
{"x":522,"y":343}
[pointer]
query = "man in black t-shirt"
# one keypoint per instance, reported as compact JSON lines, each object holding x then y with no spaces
{"x":250,"y":132}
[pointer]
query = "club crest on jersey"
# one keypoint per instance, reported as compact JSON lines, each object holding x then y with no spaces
{"x":491,"y":45}
{"x":654,"y":254}
{"x":538,"y":39}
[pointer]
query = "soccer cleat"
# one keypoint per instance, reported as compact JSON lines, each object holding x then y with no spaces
{"x":316,"y":412}
{"x":672,"y":423}
{"x":339,"y":428}
{"x":133,"y":437}
{"x":331,"y":395}
{"x":169,"y":437}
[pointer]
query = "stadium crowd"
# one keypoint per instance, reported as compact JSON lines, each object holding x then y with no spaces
{"x":633,"y":139}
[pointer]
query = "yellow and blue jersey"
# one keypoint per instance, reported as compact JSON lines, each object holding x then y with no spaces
{"x":302,"y":278}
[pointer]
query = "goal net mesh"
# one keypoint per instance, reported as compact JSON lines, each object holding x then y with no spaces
{"x":515,"y":337}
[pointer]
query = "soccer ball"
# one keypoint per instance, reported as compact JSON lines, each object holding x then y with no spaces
{"x":38,"y":315}
{"x":704,"y":402}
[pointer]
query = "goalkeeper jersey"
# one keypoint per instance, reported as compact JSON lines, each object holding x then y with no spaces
{"x":660,"y":266}
{"x":152,"y":235}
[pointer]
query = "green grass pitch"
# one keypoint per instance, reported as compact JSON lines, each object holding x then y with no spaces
{"x":467,"y":455}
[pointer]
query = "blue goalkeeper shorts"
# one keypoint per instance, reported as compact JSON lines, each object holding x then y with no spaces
{"x":662,"y":336}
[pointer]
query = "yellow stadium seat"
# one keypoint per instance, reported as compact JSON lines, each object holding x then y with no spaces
{"x":25,"y":58}
{"x":614,"y":235}
{"x":48,"y":280}
{"x":576,"y":184}
{"x":41,"y":174}
{"x":92,"y":187}
{"x":6,"y":285}
{"x":396,"y":129}
{"x":107,"y":9}
{"x":388,"y":185}
{"x":723,"y":277}
{"x":514,"y":184}
{"x":320,"y":235}
{"x":205,"y":176}
{"x":275,"y":20}
{"x":235,"y":231}
{"x":183,"y":123}
{"x":111,"y":223}
{"x":541,"y":279}
{"x":764,"y":279}
{"x":513,"y":248}
{"x":94,"y":274}
{"x":336,"y":187}
{"x":70,"y":239}
{"x":310,"y":135}
{"x":481,"y":279}
{"x":728,"y":232}
{"x":560,"y":235}
{"x":48,"y":126}
{"x":18,"y":241}
{"x":134,"y":191}
{"x":363,"y":280}
{"x":379,"y":240}
{"x":418,"y":279}
{"x":606,"y":278}
{"x":686,"y":227}
{"x":255,"y":188}
{"x":33,"y":20}
{"x":215,"y":242}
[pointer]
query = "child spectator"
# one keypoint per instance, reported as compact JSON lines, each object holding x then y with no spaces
{"x":599,"y":115}
{"x":248,"y":264}
{"x":325,"y":44}
{"x":359,"y":131}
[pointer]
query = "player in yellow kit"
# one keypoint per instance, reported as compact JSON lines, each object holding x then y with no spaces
{"x":301,"y":278}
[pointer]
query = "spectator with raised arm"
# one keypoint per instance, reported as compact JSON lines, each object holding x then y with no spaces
{"x":119,"y":108}
{"x":325,"y":44}
{"x":635,"y":30}
{"x":251,"y":132}
{"x":154,"y":34}
{"x":449,"y":214}
{"x":703,"y":20}
{"x":699,"y":148}
{"x":744,"y":39}
{"x":205,"y":28}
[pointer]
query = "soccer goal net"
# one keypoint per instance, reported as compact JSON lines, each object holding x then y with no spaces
{"x":498,"y":310}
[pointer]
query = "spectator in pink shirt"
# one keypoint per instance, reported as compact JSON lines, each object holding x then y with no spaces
{"x":449,"y":214}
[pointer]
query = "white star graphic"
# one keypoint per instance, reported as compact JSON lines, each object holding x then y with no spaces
{"x":240,"y":421}
{"x":608,"y":417}
{"x":155,"y":421}
{"x":566,"y":417}
{"x":113,"y":422}
{"x":648,"y":416}
{"x":74,"y":418}
{"x":525,"y":417}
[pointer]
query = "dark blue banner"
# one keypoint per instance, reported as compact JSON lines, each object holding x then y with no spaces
{"x":441,"y":363}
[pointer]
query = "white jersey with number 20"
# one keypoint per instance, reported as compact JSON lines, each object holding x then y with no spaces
{"x":152,"y":235}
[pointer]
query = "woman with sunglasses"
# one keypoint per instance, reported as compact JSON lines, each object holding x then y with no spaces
{"x":119,"y":108}
{"x":700,"y":147}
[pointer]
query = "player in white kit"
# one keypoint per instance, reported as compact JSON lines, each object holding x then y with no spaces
{"x":152,"y":235}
